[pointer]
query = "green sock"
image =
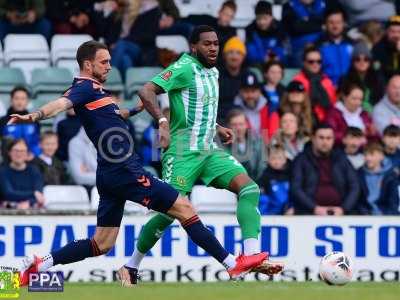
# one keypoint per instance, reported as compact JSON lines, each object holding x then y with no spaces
{"x":152,"y":231}
{"x":247,"y":213}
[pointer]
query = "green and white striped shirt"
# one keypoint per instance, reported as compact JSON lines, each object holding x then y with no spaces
{"x":193,"y":94}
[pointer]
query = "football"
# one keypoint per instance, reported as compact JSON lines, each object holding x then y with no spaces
{"x":336,"y":268}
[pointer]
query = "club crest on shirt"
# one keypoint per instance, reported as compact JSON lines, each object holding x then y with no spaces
{"x":166,"y":75}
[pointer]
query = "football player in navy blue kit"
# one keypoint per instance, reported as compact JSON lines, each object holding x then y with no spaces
{"x":120,"y":176}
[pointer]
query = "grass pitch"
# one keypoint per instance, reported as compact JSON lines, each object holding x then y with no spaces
{"x":223,"y":291}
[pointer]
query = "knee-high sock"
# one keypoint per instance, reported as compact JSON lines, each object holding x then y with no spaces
{"x":75,"y":251}
{"x":152,"y":231}
{"x":248,"y":217}
{"x":203,"y":237}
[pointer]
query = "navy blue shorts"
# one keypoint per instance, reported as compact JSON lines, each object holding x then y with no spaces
{"x":133,"y":184}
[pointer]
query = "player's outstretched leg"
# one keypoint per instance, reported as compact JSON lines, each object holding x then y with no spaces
{"x":183,"y":211}
{"x":249,"y":220}
{"x":103,"y":240}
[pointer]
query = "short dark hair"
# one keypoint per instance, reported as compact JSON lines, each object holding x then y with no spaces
{"x":197,"y":31}
{"x":47,"y":134}
{"x":19,"y":88}
{"x":273,"y":148}
{"x":347,"y":86}
{"x":263,"y":8}
{"x":87,"y":51}
{"x":310,"y":48}
{"x":354,"y":132}
{"x":334,"y":11}
{"x":230,"y":4}
{"x":271,"y":63}
{"x":11,"y":143}
{"x":233,"y":113}
{"x":373,"y":146}
{"x":320,"y":126}
{"x":391,"y":130}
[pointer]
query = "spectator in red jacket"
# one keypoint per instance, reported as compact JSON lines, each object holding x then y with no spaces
{"x":349,"y":112}
{"x":262,"y":120}
{"x":320,"y":88}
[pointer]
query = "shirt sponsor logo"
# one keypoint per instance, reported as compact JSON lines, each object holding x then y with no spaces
{"x":166,"y":76}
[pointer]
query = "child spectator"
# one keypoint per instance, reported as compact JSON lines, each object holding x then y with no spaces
{"x":289,"y":135}
{"x":296,"y":100}
{"x":51,"y":168}
{"x":274,"y":184}
{"x":264,"y":36}
{"x":353,"y":141}
{"x":273,"y":89}
{"x":21,"y":184}
{"x":391,"y":144}
{"x":349,"y":112}
{"x":66,"y":130}
{"x":379,"y":182}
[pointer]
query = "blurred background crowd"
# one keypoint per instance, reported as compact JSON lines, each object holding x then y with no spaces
{"x":310,"y":87}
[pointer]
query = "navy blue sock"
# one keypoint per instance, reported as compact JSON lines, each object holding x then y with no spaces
{"x":203,"y":237}
{"x":75,"y":251}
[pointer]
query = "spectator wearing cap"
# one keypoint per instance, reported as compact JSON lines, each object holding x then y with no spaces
{"x":262,"y":120}
{"x":303,"y":20}
{"x":323,"y":180}
{"x":387,"y":111}
{"x":319,"y":87}
{"x":273,"y":89}
{"x":349,"y":113}
{"x":386,"y":53}
{"x":264,"y":36}
{"x":335,"y":46}
{"x":232,"y":70}
{"x":297,"y":101}
{"x":363,"y":74}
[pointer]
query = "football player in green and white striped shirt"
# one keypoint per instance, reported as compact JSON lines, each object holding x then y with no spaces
{"x":189,"y":149}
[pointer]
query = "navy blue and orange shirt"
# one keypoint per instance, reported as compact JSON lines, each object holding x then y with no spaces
{"x":103,"y":123}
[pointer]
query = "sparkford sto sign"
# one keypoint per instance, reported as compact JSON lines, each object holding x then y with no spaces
{"x":372,"y":242}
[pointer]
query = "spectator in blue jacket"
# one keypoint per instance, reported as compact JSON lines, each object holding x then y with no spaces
{"x":335,"y":47}
{"x":303,"y":22}
{"x":21,"y":184}
{"x":391,"y":144}
{"x":264,"y":37}
{"x":30,"y":132}
{"x":379,"y":182}
{"x":274,"y":184}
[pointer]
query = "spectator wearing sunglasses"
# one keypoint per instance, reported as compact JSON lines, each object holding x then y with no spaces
{"x":363,"y":74}
{"x":317,"y":84}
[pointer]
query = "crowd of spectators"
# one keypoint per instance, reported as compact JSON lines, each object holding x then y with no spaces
{"x":326,"y":143}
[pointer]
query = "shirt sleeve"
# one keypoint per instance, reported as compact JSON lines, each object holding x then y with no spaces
{"x":80,"y":93}
{"x":176,"y":76}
